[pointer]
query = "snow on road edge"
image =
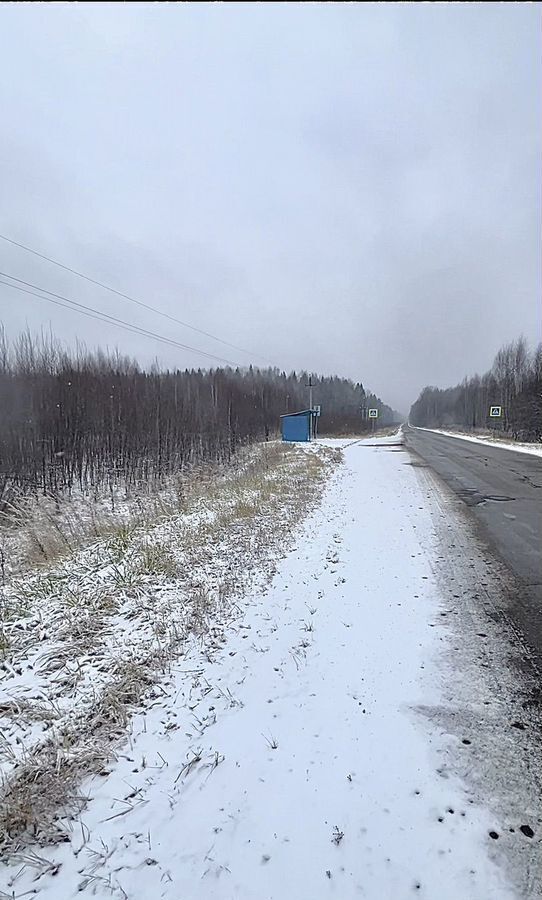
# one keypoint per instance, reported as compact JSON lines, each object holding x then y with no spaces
{"x":531,"y":449}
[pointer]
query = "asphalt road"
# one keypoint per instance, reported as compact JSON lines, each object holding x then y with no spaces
{"x":503,"y":489}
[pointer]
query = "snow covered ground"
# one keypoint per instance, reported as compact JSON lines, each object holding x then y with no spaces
{"x":533,"y":449}
{"x":349,"y":736}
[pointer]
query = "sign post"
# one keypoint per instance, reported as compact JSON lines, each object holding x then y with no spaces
{"x":317,"y":410}
{"x":373,"y":415}
{"x":495,"y":413}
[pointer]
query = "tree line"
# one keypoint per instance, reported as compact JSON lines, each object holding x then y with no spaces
{"x":514,"y":383}
{"x":83,"y":418}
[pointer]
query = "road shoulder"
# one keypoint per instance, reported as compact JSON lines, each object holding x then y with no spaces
{"x":491,"y":685}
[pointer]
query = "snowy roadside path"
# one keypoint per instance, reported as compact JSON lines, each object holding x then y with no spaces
{"x":329,"y":664}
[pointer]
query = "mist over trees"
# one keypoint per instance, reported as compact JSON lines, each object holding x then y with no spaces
{"x":513,"y":382}
{"x":81,"y":419}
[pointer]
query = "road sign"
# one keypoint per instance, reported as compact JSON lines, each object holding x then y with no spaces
{"x":373,"y":414}
{"x":317,"y":410}
{"x":495,"y":412}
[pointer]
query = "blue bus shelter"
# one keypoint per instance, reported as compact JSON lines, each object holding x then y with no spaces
{"x":298,"y":426}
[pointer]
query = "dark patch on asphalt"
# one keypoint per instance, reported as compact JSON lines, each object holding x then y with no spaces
{"x":472,"y":497}
{"x":533,"y":699}
{"x":397,"y":445}
{"x":526,"y":480}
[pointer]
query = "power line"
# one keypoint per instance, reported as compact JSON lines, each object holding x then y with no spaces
{"x":111,"y":320}
{"x":131,"y":299}
{"x":92,"y":313}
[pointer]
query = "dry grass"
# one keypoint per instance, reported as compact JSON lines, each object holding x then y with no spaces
{"x":157,"y":559}
{"x":46,"y":780}
{"x":40,"y":530}
{"x":233,"y":526}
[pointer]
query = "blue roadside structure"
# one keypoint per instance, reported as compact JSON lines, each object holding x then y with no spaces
{"x":298,"y":426}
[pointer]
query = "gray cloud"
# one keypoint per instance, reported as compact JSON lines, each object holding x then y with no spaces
{"x":347,"y":188}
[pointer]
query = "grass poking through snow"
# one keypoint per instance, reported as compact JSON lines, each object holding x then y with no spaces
{"x":111,"y":602}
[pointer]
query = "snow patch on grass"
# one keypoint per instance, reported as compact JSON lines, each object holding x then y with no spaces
{"x":84,"y":641}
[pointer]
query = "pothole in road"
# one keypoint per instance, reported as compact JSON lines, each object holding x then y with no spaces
{"x":472,"y":497}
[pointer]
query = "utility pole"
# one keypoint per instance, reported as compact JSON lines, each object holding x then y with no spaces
{"x":310,"y":387}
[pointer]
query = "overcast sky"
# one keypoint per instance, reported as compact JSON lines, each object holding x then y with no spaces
{"x":351,"y":189}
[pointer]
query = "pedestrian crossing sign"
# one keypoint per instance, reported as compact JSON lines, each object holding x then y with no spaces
{"x":373,"y":414}
{"x":495,"y":412}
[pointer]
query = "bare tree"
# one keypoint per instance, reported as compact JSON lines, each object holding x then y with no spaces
{"x":88,"y":418}
{"x":514,"y":382}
